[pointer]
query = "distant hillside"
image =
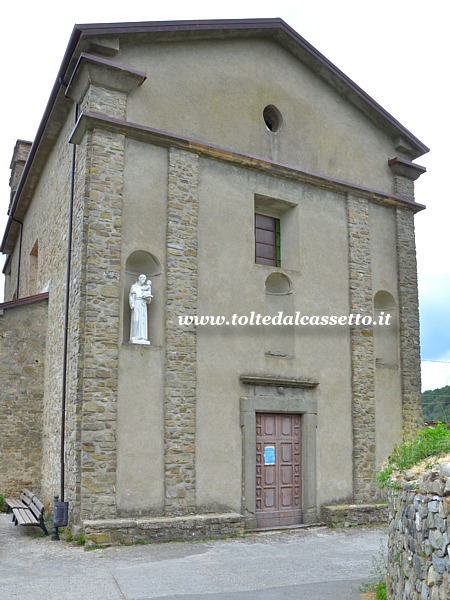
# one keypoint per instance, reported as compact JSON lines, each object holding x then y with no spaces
{"x":436,"y":404}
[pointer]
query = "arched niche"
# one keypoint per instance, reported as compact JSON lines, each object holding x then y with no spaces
{"x":278,"y":284}
{"x":386,"y":342}
{"x":384,"y":301}
{"x":279,"y":298}
{"x":142,"y":262}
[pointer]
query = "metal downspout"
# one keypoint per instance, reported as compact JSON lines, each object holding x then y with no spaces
{"x":66,"y":312}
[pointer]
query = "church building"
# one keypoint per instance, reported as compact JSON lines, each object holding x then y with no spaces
{"x":210,"y":318}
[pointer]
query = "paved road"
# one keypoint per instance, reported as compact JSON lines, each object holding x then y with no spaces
{"x":309,"y":564}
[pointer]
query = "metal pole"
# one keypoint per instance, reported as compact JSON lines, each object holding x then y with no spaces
{"x":55,"y":533}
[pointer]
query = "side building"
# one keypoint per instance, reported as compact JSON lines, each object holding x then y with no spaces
{"x":241,"y":192}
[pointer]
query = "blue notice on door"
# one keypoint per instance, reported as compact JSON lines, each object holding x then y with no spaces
{"x":269,"y":455}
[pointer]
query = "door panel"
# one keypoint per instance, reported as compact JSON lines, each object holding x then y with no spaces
{"x":278,"y":470}
{"x":269,"y":476}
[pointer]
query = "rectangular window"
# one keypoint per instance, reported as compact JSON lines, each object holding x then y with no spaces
{"x":267,"y":240}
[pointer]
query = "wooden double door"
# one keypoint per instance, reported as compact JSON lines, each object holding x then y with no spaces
{"x":278,"y":470}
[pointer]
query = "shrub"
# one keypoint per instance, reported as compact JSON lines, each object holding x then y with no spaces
{"x":2,"y":501}
{"x":431,"y":441}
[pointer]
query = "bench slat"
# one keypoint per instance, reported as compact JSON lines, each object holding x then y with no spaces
{"x":15,"y":503}
{"x":25,"y":516}
{"x":35,"y":511}
{"x":24,"y":500}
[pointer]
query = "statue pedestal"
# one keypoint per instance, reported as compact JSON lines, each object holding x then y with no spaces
{"x":137,"y":341}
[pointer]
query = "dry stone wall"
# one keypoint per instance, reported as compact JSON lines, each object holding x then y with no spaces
{"x":419,"y":537}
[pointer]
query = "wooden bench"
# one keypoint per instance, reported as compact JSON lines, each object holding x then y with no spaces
{"x":29,"y":514}
{"x":23,"y":501}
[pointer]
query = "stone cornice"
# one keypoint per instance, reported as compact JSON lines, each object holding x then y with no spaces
{"x":88,"y":121}
{"x":276,"y":381}
{"x":103,"y":72}
{"x":406,"y":168}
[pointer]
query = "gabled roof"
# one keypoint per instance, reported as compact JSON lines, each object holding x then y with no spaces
{"x":282,"y":33}
{"x":85,"y":37}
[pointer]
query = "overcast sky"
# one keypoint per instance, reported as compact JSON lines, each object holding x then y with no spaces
{"x":397,"y":51}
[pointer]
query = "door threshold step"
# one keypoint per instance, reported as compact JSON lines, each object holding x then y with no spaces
{"x":287,"y":527}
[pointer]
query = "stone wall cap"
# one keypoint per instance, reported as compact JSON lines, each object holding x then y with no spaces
{"x":24,"y":301}
{"x":100,"y":524}
{"x":155,"y":522}
{"x":359,"y":506}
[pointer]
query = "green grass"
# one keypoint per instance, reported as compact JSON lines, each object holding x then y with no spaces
{"x":377,"y":584}
{"x":380,"y":590}
{"x":431,"y":441}
{"x":2,"y":501}
{"x":95,"y":547}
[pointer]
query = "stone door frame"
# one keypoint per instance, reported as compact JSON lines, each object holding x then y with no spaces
{"x":279,"y":400}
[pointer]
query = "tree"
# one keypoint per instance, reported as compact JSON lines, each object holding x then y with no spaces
{"x":436,"y":404}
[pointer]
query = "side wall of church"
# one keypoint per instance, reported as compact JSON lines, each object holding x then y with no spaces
{"x":23,"y":329}
{"x":43,"y":259}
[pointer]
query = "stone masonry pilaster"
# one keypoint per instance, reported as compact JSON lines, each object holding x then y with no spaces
{"x":95,"y":307}
{"x":181,"y":343}
{"x":362,"y":352}
{"x":409,"y":321}
{"x":95,"y":335}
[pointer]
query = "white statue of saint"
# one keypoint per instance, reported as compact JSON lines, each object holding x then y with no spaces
{"x":140,"y":296}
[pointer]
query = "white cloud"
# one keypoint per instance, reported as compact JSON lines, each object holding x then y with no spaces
{"x":436,"y":374}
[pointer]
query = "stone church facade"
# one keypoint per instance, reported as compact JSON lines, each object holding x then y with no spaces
{"x":244,"y":174}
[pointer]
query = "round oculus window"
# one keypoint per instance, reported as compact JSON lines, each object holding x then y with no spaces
{"x":272,"y":118}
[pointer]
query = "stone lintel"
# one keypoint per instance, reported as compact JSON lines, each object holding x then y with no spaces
{"x":105,"y":73}
{"x":406,"y":168}
{"x":276,"y":381}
